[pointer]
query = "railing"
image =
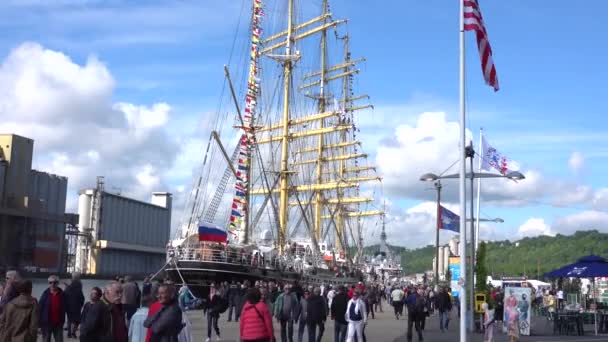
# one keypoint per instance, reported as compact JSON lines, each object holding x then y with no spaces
{"x":223,"y":255}
{"x":228,"y":256}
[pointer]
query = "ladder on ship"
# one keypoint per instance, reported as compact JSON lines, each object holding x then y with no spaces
{"x":221,"y":189}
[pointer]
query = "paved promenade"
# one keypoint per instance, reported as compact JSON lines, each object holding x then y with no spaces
{"x":386,"y":328}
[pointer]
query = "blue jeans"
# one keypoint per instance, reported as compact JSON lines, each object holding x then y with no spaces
{"x":443,"y":320}
{"x":340,"y":331}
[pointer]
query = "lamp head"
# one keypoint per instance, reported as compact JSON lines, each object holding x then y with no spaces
{"x":499,"y":220}
{"x":515,"y":175}
{"x":429,"y":177}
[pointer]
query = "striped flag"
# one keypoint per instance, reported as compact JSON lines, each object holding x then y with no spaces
{"x":473,"y":21}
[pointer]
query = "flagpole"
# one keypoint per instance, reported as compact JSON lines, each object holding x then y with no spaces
{"x":438,"y":187}
{"x":481,"y":156}
{"x":461,"y":186}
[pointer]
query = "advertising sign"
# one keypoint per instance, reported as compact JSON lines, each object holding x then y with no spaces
{"x":454,"y":267}
{"x":517,"y":311}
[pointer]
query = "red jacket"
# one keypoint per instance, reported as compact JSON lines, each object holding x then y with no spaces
{"x":254,"y":327}
{"x":151,"y":311}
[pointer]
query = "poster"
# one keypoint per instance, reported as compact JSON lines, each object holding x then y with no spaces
{"x":517,"y":310}
{"x":454,"y":267}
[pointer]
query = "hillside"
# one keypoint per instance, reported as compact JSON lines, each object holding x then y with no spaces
{"x":530,"y":256}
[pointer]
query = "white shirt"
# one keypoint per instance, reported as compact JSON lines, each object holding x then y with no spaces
{"x":560,"y":294}
{"x":137,"y":332}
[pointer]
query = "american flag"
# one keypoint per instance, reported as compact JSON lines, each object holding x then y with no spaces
{"x":473,"y":21}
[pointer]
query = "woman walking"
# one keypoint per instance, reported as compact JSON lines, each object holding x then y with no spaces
{"x":256,"y":321}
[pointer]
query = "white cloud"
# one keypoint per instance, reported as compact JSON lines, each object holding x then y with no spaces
{"x":534,"y":227}
{"x":600,"y":199}
{"x":584,"y":220}
{"x":78,"y":132}
{"x":576,"y":162}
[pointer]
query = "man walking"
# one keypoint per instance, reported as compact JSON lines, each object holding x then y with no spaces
{"x":356,"y":315}
{"x":9,"y":291}
{"x":301,"y":316}
{"x":338,"y":314}
{"x":397,"y":296}
{"x":234,"y":295}
{"x":74,"y":302}
{"x":443,"y":306}
{"x":316,"y":314}
{"x":52,"y":311}
{"x":130,"y":297}
{"x":19,"y":321}
{"x":285,"y":310}
{"x":166,"y":323}
{"x":415,"y":309}
{"x":113,"y":314}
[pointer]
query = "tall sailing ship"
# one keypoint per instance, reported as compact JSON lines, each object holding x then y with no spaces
{"x":295,"y":198}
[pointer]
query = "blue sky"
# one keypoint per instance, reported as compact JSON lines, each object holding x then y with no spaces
{"x":551,"y":64}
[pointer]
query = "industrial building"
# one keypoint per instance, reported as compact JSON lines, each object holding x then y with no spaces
{"x":32,"y":211}
{"x":120,"y":235}
{"x":445,"y":252}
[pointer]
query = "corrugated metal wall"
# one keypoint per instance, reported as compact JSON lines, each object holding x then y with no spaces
{"x":113,"y":262}
{"x":51,"y":191}
{"x":129,"y":221}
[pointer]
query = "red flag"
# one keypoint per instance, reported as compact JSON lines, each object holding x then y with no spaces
{"x":473,"y":21}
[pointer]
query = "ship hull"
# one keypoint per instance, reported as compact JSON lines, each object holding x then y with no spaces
{"x":198,"y":275}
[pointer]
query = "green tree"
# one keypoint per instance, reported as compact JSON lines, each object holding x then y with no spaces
{"x":480,"y":269}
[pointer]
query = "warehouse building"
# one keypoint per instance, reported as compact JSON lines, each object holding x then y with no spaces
{"x":32,"y":211}
{"x":120,"y":235}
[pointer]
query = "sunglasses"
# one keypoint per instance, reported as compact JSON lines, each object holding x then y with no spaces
{"x":53,"y":282}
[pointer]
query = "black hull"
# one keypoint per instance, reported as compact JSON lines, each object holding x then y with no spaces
{"x":198,"y":275}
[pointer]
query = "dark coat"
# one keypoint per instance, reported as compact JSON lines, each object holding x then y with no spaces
{"x":74,"y":300}
{"x":19,"y":321}
{"x":95,"y":323}
{"x":165,"y":324}
{"x":315,"y":310}
{"x":442,"y":302}
{"x":338,"y":307}
{"x":45,"y":306}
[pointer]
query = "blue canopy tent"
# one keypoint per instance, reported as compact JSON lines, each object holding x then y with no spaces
{"x":590,"y":266}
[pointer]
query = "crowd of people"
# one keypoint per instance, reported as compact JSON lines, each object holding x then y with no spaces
{"x":121,"y":312}
{"x":125,"y":311}
{"x":299,"y":309}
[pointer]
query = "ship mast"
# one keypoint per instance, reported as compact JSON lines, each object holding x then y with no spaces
{"x":326,"y":122}
{"x":318,"y":195}
{"x":284,"y":175}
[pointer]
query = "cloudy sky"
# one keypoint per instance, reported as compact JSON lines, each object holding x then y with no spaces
{"x":124,"y":88}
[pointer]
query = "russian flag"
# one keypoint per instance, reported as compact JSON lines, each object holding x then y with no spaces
{"x":210,"y":232}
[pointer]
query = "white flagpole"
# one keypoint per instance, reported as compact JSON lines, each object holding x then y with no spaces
{"x":481,"y":156}
{"x":463,"y":219}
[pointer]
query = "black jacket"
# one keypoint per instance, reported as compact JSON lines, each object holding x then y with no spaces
{"x":315,"y":309}
{"x":165,"y":324}
{"x":74,"y":300}
{"x":338,"y":307}
{"x":95,"y":323}
{"x":442,"y":302}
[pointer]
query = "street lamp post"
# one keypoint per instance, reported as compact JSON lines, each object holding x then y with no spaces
{"x":513,"y":175}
